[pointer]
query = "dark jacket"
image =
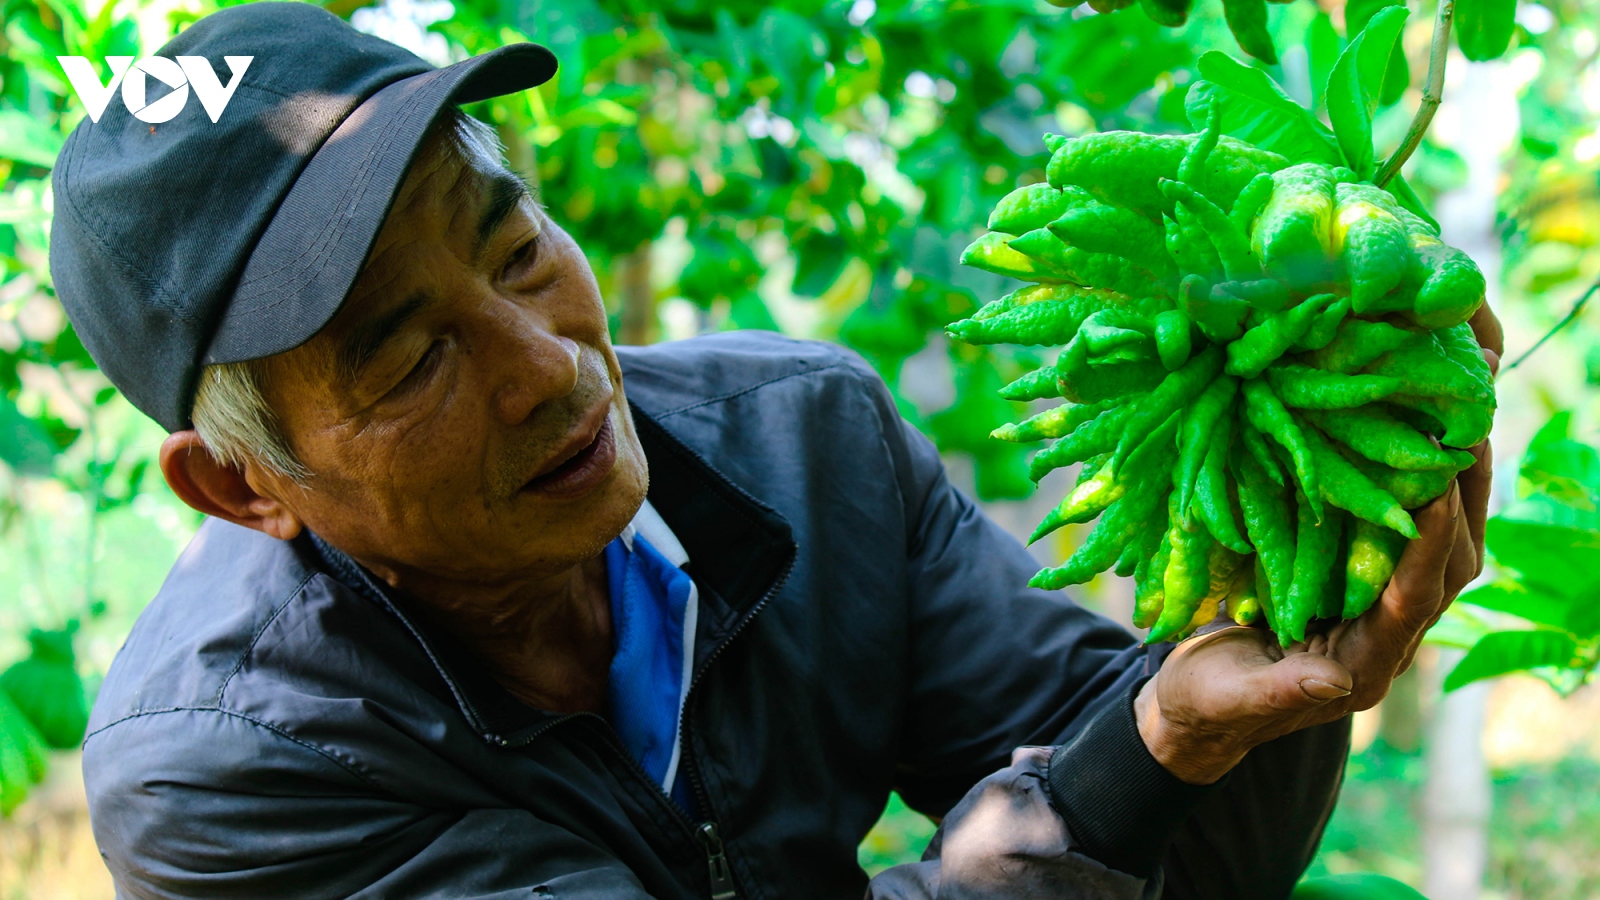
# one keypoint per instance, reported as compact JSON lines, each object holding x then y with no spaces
{"x":278,"y":725}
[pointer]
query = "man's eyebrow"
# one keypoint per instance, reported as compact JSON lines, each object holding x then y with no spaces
{"x":364,"y":341}
{"x":505,"y":192}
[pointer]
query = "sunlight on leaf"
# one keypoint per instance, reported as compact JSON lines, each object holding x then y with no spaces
{"x":1256,"y":109}
{"x":1512,"y":651}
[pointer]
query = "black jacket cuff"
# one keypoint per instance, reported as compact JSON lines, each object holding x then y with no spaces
{"x":1121,"y":806}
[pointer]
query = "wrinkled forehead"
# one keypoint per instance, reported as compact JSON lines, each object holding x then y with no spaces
{"x":456,"y":194}
{"x":459,"y":161}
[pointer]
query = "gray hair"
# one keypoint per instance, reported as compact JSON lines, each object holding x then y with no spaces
{"x":231,"y":412}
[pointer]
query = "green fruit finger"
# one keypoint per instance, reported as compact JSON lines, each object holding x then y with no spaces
{"x":1267,"y":413}
{"x":1315,"y":551}
{"x":1187,"y":579}
{"x":1262,"y":345}
{"x":1293,"y":236}
{"x":1306,"y":388}
{"x":1374,"y":553}
{"x":1374,"y":246}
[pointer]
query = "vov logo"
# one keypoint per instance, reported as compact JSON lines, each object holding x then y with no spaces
{"x":180,"y":75}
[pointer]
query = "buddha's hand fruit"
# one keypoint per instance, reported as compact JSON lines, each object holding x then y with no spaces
{"x":1267,"y":365}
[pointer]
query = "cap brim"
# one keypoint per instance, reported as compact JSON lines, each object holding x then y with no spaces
{"x":302,"y":268}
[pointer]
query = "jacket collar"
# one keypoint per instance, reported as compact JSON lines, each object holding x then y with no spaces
{"x":739,"y":551}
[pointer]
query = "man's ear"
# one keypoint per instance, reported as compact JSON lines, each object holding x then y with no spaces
{"x":218,"y":489}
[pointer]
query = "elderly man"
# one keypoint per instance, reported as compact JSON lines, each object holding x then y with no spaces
{"x":468,"y":620}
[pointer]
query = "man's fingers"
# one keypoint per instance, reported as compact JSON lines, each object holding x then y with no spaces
{"x":1475,"y":483}
{"x":1486,"y":328}
{"x":1304,"y":681}
{"x":1464,"y":564}
{"x":1418,"y":583}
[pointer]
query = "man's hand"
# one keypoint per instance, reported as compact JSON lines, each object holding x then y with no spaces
{"x":1224,"y":692}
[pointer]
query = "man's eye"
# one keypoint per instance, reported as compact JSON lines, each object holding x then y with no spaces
{"x":522,"y":258}
{"x":419,"y":373}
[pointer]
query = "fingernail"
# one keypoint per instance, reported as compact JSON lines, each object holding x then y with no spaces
{"x":1455,"y":501}
{"x":1321,"y":690}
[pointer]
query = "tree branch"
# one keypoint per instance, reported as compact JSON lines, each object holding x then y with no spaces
{"x":1565,"y":321}
{"x":1432,"y":93}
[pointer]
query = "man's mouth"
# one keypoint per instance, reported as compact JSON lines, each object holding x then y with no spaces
{"x":581,"y":470}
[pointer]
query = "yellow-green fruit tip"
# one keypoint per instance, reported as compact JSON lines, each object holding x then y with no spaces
{"x":1400,"y":521}
{"x":1043,"y":579}
{"x":1051,"y":523}
{"x":1160,"y":634}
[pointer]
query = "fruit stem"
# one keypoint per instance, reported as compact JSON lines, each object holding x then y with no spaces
{"x":1432,"y":93}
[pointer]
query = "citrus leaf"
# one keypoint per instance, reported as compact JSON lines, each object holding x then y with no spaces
{"x":1507,"y":595}
{"x":1566,"y":472}
{"x":1512,"y":651}
{"x":1356,"y":83}
{"x":819,"y":258}
{"x":1354,"y":886}
{"x":1554,"y":558}
{"x":1256,"y":109}
{"x":1375,"y":49}
{"x":25,"y":445}
{"x":1560,"y":469}
{"x":1558,"y":428}
{"x":1407,"y":198}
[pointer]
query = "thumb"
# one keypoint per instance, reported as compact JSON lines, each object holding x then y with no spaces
{"x":1303,"y":681}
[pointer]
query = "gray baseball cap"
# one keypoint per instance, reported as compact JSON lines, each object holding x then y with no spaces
{"x":191,"y":242}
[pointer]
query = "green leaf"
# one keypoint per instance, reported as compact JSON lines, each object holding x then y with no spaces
{"x":1354,"y":886}
{"x":819,"y":258}
{"x":1484,"y":28}
{"x":1322,"y":51}
{"x":735,"y":49}
{"x":1555,"y":558}
{"x":1558,"y":428}
{"x":1357,"y":13}
{"x":25,"y":445}
{"x":1355,"y":86}
{"x":1406,"y":197}
{"x":789,"y":46}
{"x":1565,"y":472}
{"x":1256,"y":109}
{"x":748,"y":311}
{"x":1463,"y":625}
{"x":1512,"y":651}
{"x":1375,"y":49}
{"x":1573,"y":614}
{"x":1541,"y":509}
{"x":27,"y":140}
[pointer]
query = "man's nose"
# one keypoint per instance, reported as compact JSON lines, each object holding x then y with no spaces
{"x":531,"y":363}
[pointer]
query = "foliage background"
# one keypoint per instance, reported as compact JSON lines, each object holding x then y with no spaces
{"x":810,"y":166}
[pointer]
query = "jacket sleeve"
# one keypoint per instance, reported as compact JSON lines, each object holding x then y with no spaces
{"x":997,"y":665}
{"x":295,"y":821}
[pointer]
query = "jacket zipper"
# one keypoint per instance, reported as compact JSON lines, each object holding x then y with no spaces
{"x":685,"y":725}
{"x":723,"y":886}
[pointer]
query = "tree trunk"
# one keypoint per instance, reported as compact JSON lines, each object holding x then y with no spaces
{"x":631,"y":275}
{"x":1455,"y":801}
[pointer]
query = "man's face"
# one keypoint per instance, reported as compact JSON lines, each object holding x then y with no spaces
{"x":462,"y":416}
